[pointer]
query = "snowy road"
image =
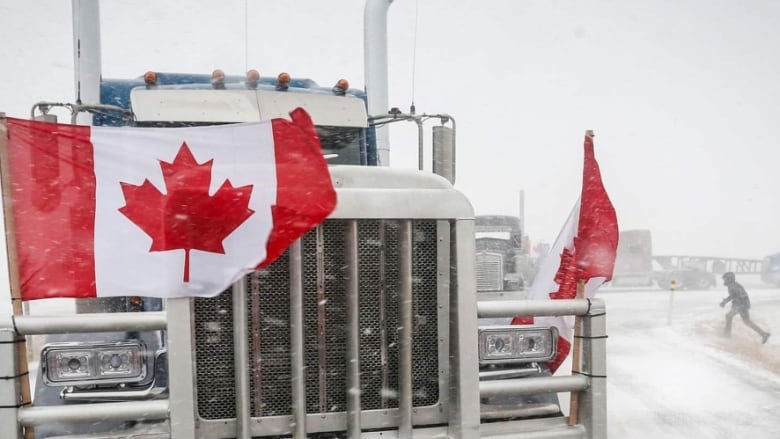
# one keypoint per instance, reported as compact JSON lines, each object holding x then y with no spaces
{"x":679,"y":378}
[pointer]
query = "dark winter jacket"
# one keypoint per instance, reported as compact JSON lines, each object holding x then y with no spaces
{"x":738,"y":296}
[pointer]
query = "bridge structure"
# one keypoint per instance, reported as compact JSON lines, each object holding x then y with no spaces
{"x":710,"y":264}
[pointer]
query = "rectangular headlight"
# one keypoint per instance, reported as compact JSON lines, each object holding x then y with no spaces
{"x":73,"y":364}
{"x":516,"y":344}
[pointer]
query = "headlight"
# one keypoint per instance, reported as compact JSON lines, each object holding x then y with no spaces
{"x":73,"y":364}
{"x":516,"y":344}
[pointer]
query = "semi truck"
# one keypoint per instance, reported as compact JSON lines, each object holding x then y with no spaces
{"x":504,"y":262}
{"x":770,"y":269}
{"x":367,"y":327}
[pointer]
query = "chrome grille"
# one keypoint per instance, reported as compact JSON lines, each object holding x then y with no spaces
{"x":324,"y":271}
{"x":489,"y":273}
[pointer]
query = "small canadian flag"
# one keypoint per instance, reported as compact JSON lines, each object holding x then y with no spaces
{"x":160,"y":212}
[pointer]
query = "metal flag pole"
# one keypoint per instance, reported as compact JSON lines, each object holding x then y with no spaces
{"x":575,"y":360}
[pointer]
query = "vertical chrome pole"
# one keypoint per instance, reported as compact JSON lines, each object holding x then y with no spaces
{"x":420,"y":142}
{"x":241,"y":358}
{"x":353,"y":333}
{"x":181,"y":358}
{"x":405,"y":337}
{"x":87,"y":64}
{"x":384,"y":355}
{"x":256,"y":343}
{"x":296,"y":342}
{"x":464,"y":389}
{"x":593,"y":400}
{"x":322,"y":341}
{"x":10,"y":388}
{"x":375,"y":58}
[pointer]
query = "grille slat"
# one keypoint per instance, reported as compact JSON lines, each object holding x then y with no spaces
{"x":324,"y":272}
{"x":489,"y":272}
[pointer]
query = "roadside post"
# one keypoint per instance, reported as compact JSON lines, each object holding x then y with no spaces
{"x":672,"y":287}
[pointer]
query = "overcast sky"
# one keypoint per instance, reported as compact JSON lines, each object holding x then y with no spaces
{"x":683,"y":95}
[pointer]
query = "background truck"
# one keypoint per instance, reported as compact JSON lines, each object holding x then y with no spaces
{"x":637,"y":265}
{"x":504,"y":262}
{"x":366,"y":327}
{"x":770,"y":269}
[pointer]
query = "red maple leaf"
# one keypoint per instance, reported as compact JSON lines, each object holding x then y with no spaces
{"x":565,"y":277}
{"x":187,"y":217}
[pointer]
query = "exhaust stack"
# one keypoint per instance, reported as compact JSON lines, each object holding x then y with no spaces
{"x":86,"y":54}
{"x":375,"y":61}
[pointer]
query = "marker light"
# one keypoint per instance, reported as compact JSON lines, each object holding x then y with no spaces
{"x":516,"y":344}
{"x":73,"y":364}
{"x":283,"y":81}
{"x":135,"y":303}
{"x":150,"y":78}
{"x":218,"y":79}
{"x":252,"y":78}
{"x":341,"y":87}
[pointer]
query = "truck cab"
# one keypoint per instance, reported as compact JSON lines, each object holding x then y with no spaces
{"x":502,"y":261}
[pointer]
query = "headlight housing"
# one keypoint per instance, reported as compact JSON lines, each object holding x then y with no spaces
{"x":516,"y":344}
{"x":74,"y":364}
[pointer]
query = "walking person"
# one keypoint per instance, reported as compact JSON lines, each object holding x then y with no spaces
{"x":740,"y":304}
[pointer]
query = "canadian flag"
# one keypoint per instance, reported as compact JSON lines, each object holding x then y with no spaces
{"x":160,"y":212}
{"x":585,"y":250}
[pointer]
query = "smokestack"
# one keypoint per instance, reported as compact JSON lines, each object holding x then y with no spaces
{"x":86,"y":54}
{"x":521,"y":213}
{"x":375,"y":61}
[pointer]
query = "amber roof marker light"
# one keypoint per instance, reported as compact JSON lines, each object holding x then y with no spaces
{"x":283,"y":81}
{"x":218,"y":79}
{"x":252,"y":79}
{"x":150,"y":79}
{"x":341,"y":87}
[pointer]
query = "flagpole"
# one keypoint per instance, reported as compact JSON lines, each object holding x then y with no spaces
{"x":575,"y":360}
{"x":22,"y":367}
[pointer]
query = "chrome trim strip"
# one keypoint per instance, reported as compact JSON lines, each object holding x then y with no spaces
{"x":322,"y":341}
{"x":107,"y":411}
{"x":241,"y":360}
{"x":509,"y":308}
{"x":91,"y":322}
{"x":405,"y":322}
{"x":533,"y":385}
{"x":353,"y":332}
{"x":298,"y":379}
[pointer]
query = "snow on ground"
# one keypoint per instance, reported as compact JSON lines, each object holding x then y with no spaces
{"x":684,"y":379}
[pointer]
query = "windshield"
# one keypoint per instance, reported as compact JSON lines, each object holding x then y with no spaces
{"x":346,"y":143}
{"x":494,"y":235}
{"x":340,"y":145}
